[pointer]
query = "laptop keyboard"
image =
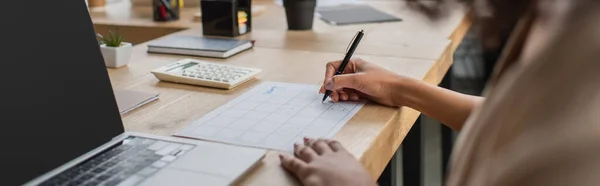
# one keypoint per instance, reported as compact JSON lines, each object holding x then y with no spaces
{"x":127,"y":164}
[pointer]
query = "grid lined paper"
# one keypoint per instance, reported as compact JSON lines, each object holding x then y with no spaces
{"x":273,"y":115}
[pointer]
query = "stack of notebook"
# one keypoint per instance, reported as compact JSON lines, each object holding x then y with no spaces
{"x":199,"y":46}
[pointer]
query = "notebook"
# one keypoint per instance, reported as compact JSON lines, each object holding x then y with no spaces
{"x":128,"y":100}
{"x":199,"y":46}
{"x":353,"y":14}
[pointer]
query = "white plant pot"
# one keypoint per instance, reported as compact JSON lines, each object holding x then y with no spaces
{"x":115,"y":57}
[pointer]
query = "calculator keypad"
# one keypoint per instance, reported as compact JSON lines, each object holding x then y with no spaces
{"x":215,"y":72}
{"x":196,"y":72}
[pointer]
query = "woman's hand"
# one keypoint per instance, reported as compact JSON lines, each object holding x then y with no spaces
{"x":325,"y":163}
{"x":362,"y":79}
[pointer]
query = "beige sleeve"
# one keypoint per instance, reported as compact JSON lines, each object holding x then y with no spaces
{"x":549,"y":113}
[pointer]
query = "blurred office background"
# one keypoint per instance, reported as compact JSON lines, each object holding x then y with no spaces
{"x":467,"y":75}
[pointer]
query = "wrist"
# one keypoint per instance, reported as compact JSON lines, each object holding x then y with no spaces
{"x":406,"y":91}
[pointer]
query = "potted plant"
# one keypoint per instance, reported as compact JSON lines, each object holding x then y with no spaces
{"x":116,"y":53}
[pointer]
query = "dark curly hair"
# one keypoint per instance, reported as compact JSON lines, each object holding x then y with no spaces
{"x":495,"y":18}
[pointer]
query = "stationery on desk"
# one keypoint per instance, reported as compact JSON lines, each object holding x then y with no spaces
{"x":256,"y":10}
{"x":353,"y":14}
{"x":353,"y":45}
{"x":203,"y":73}
{"x":199,"y":46}
{"x":128,"y":100}
{"x":167,"y":10}
{"x":275,"y":115}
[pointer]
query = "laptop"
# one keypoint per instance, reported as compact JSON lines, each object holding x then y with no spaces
{"x":60,"y":122}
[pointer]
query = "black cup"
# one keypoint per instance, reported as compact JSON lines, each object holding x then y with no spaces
{"x":300,"y":13}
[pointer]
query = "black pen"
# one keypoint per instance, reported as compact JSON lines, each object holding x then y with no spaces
{"x":340,"y":70}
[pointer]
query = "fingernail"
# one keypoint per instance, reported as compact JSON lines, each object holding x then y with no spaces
{"x":306,"y":139}
{"x":281,"y":156}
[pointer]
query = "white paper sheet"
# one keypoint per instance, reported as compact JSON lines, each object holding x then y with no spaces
{"x":273,"y":115}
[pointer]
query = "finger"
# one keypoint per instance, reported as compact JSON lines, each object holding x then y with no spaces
{"x":343,"y":95}
{"x":354,"y":96}
{"x":293,"y":164}
{"x":349,"y":81}
{"x":304,"y":152}
{"x":327,"y":85}
{"x":308,"y":141}
{"x":320,"y":146}
{"x":330,"y":69}
{"x":335,"y":96}
{"x":335,"y":145}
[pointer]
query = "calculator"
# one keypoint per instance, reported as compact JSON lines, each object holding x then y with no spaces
{"x":203,"y":73}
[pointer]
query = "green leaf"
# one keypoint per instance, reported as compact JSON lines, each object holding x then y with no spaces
{"x":113,"y":39}
{"x":120,"y":40}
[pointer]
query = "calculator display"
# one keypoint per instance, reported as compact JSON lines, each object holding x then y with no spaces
{"x":182,"y":67}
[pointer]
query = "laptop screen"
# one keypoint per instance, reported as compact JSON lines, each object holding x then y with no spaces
{"x":56,"y":98}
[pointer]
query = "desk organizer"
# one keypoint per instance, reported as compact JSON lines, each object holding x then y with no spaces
{"x":227,"y":18}
{"x":166,"y":10}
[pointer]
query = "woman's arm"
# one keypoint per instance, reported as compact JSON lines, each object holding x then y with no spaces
{"x":449,"y":107}
{"x":362,"y":79}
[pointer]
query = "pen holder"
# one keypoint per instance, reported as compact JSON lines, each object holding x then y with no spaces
{"x":166,"y":10}
{"x":229,"y":18}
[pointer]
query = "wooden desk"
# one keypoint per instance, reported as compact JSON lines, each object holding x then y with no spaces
{"x":373,"y":135}
{"x":414,"y":31}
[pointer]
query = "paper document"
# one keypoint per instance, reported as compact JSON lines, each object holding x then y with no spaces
{"x":128,"y":100}
{"x":273,"y":115}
